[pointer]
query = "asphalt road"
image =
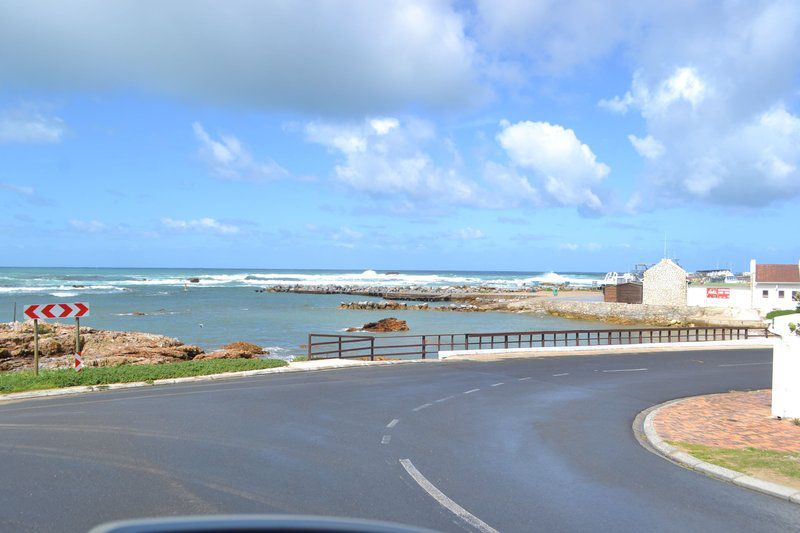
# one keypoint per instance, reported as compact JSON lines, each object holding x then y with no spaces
{"x":516,"y":445}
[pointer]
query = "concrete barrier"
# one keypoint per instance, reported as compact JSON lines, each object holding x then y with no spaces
{"x":613,"y":348}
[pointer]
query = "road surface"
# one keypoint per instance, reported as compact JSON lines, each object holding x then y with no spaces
{"x":515,"y":445}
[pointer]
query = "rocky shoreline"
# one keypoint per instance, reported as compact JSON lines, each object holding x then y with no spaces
{"x":102,"y":347}
{"x":420,"y":293}
{"x":613,"y":313}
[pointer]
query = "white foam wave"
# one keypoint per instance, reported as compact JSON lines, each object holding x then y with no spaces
{"x":264,"y":279}
{"x":63,"y":294}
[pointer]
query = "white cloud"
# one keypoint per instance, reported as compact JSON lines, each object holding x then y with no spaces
{"x":715,"y":88}
{"x":389,"y":158}
{"x":315,"y":55}
{"x":88,"y":226}
{"x":26,"y":125}
{"x":201,"y":225}
{"x":19,"y":189}
{"x":648,"y":147}
{"x":684,"y":85}
{"x":567,"y":168}
{"x":467,"y":234}
{"x":228,"y":159}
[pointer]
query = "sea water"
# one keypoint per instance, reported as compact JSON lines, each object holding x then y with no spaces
{"x":224,"y":305}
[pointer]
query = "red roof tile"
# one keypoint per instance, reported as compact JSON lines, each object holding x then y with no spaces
{"x":778,"y":273}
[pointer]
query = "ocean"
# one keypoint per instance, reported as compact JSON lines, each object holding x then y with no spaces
{"x":224,"y":306}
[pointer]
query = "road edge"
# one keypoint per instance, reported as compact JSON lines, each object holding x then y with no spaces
{"x":292,"y":367}
{"x":649,"y":438}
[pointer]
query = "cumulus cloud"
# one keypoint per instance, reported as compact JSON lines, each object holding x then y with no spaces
{"x":684,"y":85}
{"x":315,"y":56}
{"x":388,"y":157}
{"x":201,"y":225}
{"x":26,"y":125}
{"x":229,"y":160}
{"x":647,"y":147}
{"x":566,"y":167}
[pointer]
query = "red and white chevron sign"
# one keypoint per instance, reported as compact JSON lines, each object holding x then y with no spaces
{"x":40,"y":311}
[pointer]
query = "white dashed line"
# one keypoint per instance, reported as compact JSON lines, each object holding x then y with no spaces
{"x":440,"y":400}
{"x":745,"y":364}
{"x":386,"y":439}
{"x":626,"y":370}
{"x":393,"y":423}
{"x":421,"y":407}
{"x":564,"y":374}
{"x":471,"y":391}
{"x":444,"y":501}
{"x":524,"y":379}
{"x":498,"y":384}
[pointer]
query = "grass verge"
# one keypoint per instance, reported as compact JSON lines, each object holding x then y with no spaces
{"x":779,"y":467}
{"x":56,"y":379}
{"x":773,"y":314}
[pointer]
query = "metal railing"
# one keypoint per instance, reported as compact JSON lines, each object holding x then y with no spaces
{"x":326,"y":346}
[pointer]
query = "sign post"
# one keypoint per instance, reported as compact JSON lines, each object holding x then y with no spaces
{"x":35,"y":347}
{"x":40,"y":311}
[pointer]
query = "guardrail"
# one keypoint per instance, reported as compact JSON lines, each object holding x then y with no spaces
{"x":332,"y":346}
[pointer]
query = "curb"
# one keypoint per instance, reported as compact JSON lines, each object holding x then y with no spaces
{"x":611,"y":348}
{"x":334,"y":364}
{"x":678,"y":456}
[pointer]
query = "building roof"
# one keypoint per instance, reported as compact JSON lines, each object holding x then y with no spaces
{"x":778,"y":273}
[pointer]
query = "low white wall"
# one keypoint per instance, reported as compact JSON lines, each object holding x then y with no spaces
{"x":614,"y":348}
{"x":703,"y":296}
{"x":786,"y":369}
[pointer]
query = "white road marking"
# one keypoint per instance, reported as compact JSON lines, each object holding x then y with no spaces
{"x":444,"y":501}
{"x":471,"y":391}
{"x":421,"y":407}
{"x":626,"y":370}
{"x":498,"y":384}
{"x":386,"y":439}
{"x":564,"y":374}
{"x":393,"y":423}
{"x":524,"y":379}
{"x":440,"y":400}
{"x":746,"y":364}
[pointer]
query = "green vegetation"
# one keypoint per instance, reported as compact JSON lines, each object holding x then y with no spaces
{"x":300,"y":358}
{"x":752,"y":461}
{"x":54,"y":379}
{"x":773,"y":314}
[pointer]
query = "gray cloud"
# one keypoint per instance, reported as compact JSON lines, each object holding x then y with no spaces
{"x":313,"y":56}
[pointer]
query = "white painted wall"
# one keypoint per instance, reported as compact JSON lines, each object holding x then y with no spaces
{"x":697,"y":295}
{"x":786,"y":369}
{"x":773,"y":299}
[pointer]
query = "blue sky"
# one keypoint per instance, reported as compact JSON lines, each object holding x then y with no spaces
{"x":515,"y":135}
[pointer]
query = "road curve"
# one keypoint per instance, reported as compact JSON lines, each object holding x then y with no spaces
{"x":515,"y":445}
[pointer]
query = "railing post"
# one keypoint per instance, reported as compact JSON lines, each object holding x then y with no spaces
{"x":423,"y":346}
{"x":340,"y":346}
{"x":372,"y":348}
{"x":309,"y":347}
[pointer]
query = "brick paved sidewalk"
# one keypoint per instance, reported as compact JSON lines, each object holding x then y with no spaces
{"x":731,"y":420}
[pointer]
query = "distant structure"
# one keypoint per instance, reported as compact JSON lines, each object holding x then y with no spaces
{"x":774,"y":286}
{"x":664,"y":284}
{"x":624,"y":293}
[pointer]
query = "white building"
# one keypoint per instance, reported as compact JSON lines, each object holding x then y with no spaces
{"x":774,"y":286}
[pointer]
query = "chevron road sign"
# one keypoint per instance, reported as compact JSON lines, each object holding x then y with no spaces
{"x":41,"y":311}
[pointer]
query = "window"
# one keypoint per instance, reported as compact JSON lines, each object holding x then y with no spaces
{"x":780,"y":294}
{"x":765,"y":293}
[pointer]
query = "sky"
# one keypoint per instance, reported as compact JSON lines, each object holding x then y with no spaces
{"x":529,"y":135}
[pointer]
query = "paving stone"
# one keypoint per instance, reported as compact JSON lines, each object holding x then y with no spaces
{"x":731,"y":420}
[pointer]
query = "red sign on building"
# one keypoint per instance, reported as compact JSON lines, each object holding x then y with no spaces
{"x":718,"y":292}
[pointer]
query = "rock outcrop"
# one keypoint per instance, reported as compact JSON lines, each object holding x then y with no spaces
{"x":385,"y":325}
{"x":102,"y":347}
{"x":235,"y":350}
